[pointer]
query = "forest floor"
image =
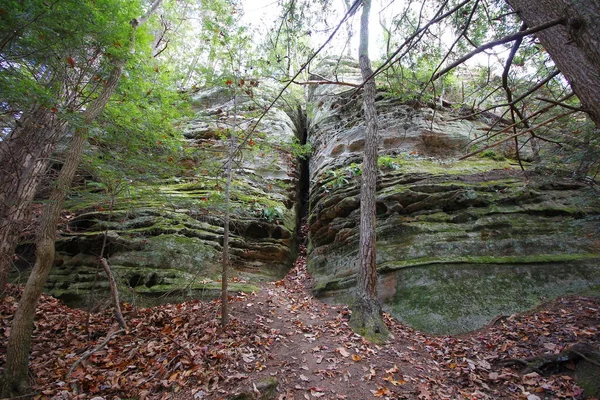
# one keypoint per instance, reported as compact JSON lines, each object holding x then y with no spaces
{"x":282,"y":343}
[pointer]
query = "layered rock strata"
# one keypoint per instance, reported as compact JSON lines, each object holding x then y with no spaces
{"x":458,"y":242}
{"x":164,"y":238}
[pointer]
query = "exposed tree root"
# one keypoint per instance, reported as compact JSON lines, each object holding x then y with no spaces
{"x":367,"y":320}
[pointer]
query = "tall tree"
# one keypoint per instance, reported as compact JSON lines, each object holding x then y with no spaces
{"x":574,"y":45}
{"x":15,"y":381}
{"x":366,"y":311}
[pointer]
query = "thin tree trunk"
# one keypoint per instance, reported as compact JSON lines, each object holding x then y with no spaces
{"x":367,"y":276}
{"x":366,"y":313}
{"x":15,"y":380}
{"x":229,"y":177}
{"x":349,"y":32}
{"x":24,"y":157}
{"x":19,"y":342}
{"x":226,"y":261}
{"x":574,"y":47}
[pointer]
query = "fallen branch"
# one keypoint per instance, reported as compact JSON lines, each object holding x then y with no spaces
{"x":88,"y":353}
{"x":542,"y":364}
{"x":115,"y":293}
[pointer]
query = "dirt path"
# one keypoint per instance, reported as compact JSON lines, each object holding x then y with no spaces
{"x":316,"y":355}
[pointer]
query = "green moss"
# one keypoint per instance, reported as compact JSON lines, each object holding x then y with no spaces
{"x":526,"y":259}
{"x":463,"y":167}
{"x":455,"y":298}
{"x":367,"y":333}
{"x":491,"y":154}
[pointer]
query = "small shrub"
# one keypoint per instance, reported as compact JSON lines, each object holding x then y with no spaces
{"x":387,"y":162}
{"x":492,"y":155}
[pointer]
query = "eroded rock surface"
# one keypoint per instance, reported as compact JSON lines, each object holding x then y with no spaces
{"x":458,"y":242}
{"x":164,"y":238}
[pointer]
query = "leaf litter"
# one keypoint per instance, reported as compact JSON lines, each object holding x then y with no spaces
{"x":283,"y":334}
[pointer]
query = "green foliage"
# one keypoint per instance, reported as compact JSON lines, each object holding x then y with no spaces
{"x":47,"y":46}
{"x":270,"y":213}
{"x":354,"y":169}
{"x":302,"y":151}
{"x":138,"y":135}
{"x":338,"y":179}
{"x":387,"y":162}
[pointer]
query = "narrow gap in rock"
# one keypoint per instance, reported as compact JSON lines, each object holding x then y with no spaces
{"x":303,"y":178}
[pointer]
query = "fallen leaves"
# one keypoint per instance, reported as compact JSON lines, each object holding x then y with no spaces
{"x":471,"y":366}
{"x":381,"y":391}
{"x":167,"y":348}
{"x":294,"y":339}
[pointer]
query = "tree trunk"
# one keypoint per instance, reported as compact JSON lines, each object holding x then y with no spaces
{"x":24,"y":157}
{"x":19,"y":342}
{"x":574,"y":47}
{"x":15,"y":381}
{"x":366,"y":312}
{"x":226,"y":261}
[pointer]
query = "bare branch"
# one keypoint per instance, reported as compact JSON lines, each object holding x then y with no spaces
{"x":302,"y":68}
{"x":326,"y":82}
{"x":141,"y":20}
{"x":390,"y":60}
{"x":509,"y":38}
{"x":558,"y":103}
{"x":92,"y":351}
{"x":518,"y":99}
{"x":511,"y":137}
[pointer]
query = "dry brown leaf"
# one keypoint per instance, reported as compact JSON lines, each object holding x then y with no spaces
{"x":343,"y":352}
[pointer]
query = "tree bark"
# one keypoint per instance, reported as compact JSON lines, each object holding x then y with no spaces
{"x":15,"y":381}
{"x":24,"y":157}
{"x":226,"y":260}
{"x":574,"y":47}
{"x":366,"y":312}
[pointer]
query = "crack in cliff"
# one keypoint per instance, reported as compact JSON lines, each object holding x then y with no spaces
{"x":300,"y":120}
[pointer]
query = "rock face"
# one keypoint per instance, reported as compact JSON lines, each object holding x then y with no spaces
{"x":459,"y":242}
{"x":164,"y":238}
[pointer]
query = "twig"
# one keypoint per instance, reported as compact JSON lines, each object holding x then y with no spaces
{"x":302,"y":68}
{"x":92,"y":351}
{"x":515,"y":101}
{"x":516,"y":135}
{"x":558,"y":103}
{"x":115,"y":293}
{"x":326,"y":82}
{"x":29,"y":395}
{"x":391,"y":59}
